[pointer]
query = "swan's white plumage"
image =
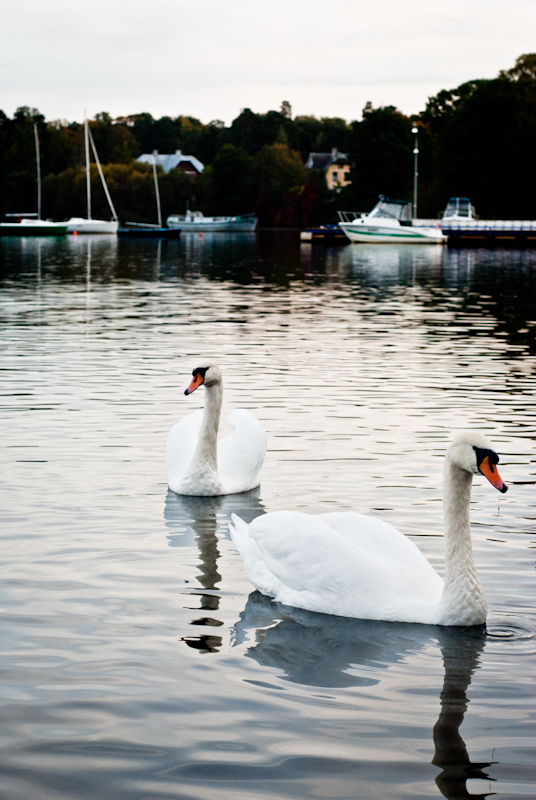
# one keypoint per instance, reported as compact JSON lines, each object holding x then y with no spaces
{"x":180,"y":446}
{"x":353,"y":565}
{"x":336,"y":564}
{"x":198,"y":464}
{"x":241,"y":452}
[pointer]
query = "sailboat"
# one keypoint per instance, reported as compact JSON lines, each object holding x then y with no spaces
{"x":31,"y":224}
{"x":144,"y":229}
{"x":89,"y":225}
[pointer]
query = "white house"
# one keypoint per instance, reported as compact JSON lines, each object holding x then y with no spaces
{"x":176,"y":160}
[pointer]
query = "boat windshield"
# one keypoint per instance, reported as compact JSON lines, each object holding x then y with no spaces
{"x":459,"y":207}
{"x":394,"y":209}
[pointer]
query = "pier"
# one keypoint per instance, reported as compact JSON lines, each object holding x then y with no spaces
{"x":325,"y":234}
{"x":481,"y":231}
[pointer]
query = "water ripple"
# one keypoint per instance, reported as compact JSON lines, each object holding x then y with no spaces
{"x":135,"y":663}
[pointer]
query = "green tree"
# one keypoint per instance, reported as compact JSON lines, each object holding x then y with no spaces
{"x":485,"y":133}
{"x":227,"y":184}
{"x":279,"y":180}
{"x":131,"y":187}
{"x":381,"y":157}
{"x":115,"y":143}
{"x":18,"y":182}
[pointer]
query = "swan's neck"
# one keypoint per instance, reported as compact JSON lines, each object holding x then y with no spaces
{"x":206,"y":452}
{"x":462,"y":601}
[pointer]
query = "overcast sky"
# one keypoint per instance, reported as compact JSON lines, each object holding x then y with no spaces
{"x":209,"y":58}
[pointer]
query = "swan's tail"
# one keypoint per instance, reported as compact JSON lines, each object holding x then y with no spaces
{"x":246,"y":546}
{"x":254,"y":564}
{"x":239,"y":530}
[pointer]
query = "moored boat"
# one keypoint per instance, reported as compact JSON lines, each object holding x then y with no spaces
{"x":32,"y":227}
{"x":389,"y":222}
{"x":326,"y":234}
{"x":196,"y":221}
{"x":82,"y":225}
{"x":139,"y":230}
{"x":461,"y":225}
{"x":459,"y":209}
{"x":149,"y":231}
{"x":27,"y":225}
{"x":87,"y":224}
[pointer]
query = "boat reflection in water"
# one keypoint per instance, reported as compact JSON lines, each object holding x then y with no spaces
{"x":319,"y":650}
{"x":193,"y":521}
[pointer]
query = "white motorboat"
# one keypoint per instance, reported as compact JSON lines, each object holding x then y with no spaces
{"x":196,"y":221}
{"x":89,"y":225}
{"x":459,"y":209}
{"x":462,"y":226}
{"x":390,"y":222}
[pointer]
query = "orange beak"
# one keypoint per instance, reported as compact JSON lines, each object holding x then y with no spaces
{"x":490,"y":472}
{"x":197,"y":380}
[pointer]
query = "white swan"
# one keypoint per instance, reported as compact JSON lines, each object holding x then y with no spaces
{"x":353,"y":565}
{"x":196,"y":462}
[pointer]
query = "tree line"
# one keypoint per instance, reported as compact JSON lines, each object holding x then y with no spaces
{"x":476,"y":140}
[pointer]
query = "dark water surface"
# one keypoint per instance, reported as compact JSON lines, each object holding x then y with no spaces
{"x":135,"y":661}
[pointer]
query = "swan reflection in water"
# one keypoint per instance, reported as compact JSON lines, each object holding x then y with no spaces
{"x":318,"y":650}
{"x":195,"y":522}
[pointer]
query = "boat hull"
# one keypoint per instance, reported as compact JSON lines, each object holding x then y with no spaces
{"x":80,"y":225}
{"x":374,"y":234}
{"x":32,"y":228}
{"x":213,"y":224}
{"x":151,"y":233}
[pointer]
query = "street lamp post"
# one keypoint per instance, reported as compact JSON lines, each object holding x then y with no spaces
{"x":415,"y":132}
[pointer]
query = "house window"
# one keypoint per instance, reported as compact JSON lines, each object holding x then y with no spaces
{"x":335,"y":175}
{"x":346,"y":176}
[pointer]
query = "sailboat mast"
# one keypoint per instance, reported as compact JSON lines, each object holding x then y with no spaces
{"x":88,"y":174}
{"x":103,"y":179}
{"x":38,"y":163}
{"x":157,"y":191}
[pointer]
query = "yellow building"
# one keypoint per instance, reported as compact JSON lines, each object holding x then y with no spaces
{"x":334,"y":164}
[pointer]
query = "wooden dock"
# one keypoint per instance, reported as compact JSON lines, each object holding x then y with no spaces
{"x":489,"y":232}
{"x":325,"y":234}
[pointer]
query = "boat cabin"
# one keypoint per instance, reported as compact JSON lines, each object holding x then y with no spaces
{"x":394,"y":209}
{"x":459,"y":208}
{"x":385,"y":208}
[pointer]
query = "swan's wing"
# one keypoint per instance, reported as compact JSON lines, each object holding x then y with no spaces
{"x":309,"y":564}
{"x":301,"y":550}
{"x":180,"y":447}
{"x":257,"y":571}
{"x":379,"y":539}
{"x":241,"y":452}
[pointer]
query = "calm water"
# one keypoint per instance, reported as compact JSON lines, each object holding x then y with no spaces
{"x":136,"y":663}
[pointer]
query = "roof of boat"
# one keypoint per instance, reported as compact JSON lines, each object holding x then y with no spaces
{"x":383,"y":199}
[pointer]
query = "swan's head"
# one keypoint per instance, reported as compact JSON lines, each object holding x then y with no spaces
{"x":474,"y":453}
{"x":207,"y":374}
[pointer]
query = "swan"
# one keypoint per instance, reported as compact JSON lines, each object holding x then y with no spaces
{"x":353,"y":565}
{"x":196,"y":462}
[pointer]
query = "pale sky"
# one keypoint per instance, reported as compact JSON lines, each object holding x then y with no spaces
{"x":210,"y":59}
